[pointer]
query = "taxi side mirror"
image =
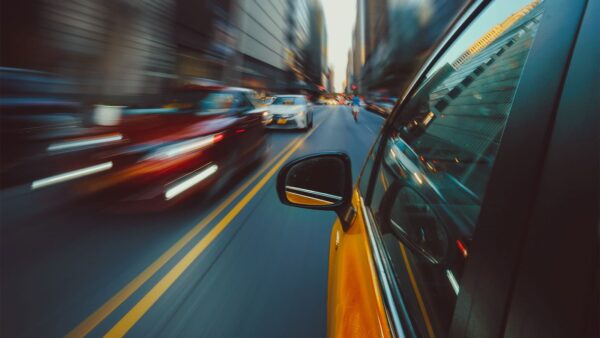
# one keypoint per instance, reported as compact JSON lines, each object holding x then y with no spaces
{"x":319,"y":181}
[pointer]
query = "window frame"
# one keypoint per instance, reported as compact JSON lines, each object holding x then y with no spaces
{"x":524,"y":111}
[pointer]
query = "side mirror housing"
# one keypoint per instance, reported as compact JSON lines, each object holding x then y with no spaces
{"x":320,"y":181}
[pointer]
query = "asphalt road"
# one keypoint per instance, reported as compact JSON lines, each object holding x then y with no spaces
{"x":239,"y":264}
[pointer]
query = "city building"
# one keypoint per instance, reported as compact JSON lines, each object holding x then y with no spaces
{"x":349,"y":72}
{"x":261,"y":58}
{"x":204,"y":39}
{"x":330,"y":80}
{"x":113,"y":50}
{"x":298,"y":43}
{"x":392,"y":37}
{"x":317,"y":50}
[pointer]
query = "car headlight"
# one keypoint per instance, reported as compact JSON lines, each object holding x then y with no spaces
{"x":184,"y":147}
{"x":301,"y":113}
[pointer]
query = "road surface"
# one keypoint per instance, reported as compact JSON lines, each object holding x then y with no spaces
{"x":239,"y":264}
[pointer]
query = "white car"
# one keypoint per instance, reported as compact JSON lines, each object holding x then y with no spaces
{"x":291,"y":112}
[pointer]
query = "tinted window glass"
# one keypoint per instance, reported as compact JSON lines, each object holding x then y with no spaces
{"x":437,"y":160}
{"x":289,"y":100}
{"x":216,"y":103}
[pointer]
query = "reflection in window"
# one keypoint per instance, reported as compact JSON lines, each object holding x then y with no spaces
{"x":438,"y":158}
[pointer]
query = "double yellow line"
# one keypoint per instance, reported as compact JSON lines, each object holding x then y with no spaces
{"x":139,"y":309}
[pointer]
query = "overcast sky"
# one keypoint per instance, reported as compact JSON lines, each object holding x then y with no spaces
{"x":339,"y":17}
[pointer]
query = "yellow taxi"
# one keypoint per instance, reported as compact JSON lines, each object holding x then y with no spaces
{"x":474,"y":214}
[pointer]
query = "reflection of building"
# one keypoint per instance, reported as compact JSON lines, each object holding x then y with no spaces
{"x":493,"y":33}
{"x":471,"y":102}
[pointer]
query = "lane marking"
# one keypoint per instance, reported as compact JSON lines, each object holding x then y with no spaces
{"x":133,"y":316}
{"x":107,"y":308}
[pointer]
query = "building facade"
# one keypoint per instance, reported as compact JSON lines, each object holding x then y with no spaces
{"x":317,"y":50}
{"x":261,"y":44}
{"x":298,"y":43}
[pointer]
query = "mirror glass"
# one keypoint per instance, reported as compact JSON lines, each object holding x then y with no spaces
{"x":317,"y":181}
{"x":413,"y":219}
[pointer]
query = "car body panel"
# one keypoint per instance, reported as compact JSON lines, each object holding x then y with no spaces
{"x":355,"y":304}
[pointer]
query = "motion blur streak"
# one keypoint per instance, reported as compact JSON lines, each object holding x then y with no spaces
{"x":107,"y":308}
{"x":186,"y":147}
{"x":129,"y":320}
{"x":71,"y":175}
{"x":85,"y":142}
{"x":190,"y":182}
{"x":453,"y":281}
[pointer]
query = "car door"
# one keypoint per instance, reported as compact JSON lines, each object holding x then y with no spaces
{"x":250,"y":129}
{"x":448,"y":159}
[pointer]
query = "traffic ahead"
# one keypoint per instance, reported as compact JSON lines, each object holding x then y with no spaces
{"x":234,"y":265}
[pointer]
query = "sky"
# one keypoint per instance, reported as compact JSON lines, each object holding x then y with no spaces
{"x":340,"y":16}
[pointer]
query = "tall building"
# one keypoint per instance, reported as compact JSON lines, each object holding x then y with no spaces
{"x":204,"y":39}
{"x":375,"y":24}
{"x":349,"y":72}
{"x":393,"y":37}
{"x":317,"y":51}
{"x":298,"y":44}
{"x":113,"y":49}
{"x":358,"y":46}
{"x":261,"y":44}
{"x":330,"y":80}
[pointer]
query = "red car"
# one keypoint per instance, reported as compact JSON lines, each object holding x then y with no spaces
{"x":195,"y":142}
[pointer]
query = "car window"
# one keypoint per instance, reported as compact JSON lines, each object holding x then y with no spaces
{"x":289,"y":100}
{"x":219,"y":103}
{"x":437,"y":159}
{"x":245,"y":102}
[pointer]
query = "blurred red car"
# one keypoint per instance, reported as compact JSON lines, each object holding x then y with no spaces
{"x":198,"y":140}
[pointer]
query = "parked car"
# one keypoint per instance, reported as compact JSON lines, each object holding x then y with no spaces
{"x":476,"y":212}
{"x":291,"y":112}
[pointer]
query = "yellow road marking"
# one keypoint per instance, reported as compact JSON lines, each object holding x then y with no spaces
{"x":107,"y":308}
{"x":139,"y":309}
{"x":417,"y":292}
